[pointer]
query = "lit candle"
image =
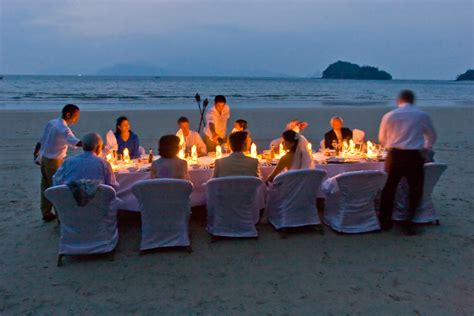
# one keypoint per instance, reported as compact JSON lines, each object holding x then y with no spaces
{"x":282,"y":151}
{"x":351,"y":146}
{"x":253,"y":150}
{"x":181,"y":154}
{"x":126,"y":155}
{"x":108,"y":157}
{"x":218,"y":151}
{"x":194,"y":154}
{"x":370,"y":150}
{"x":310,"y":148}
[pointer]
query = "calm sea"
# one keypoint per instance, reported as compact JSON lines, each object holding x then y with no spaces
{"x":110,"y":93}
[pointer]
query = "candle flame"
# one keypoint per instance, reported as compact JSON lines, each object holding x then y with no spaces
{"x":253,"y":150}
{"x":126,"y":155}
{"x":218,"y":151}
{"x":181,"y":154}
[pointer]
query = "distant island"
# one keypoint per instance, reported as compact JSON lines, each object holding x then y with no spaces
{"x":347,"y":70}
{"x":468,"y":75}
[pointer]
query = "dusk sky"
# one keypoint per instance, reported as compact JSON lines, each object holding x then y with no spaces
{"x":410,"y":39}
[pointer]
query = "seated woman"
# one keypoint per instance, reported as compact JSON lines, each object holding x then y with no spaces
{"x":297,"y":156}
{"x":169,"y":165}
{"x":126,"y":138}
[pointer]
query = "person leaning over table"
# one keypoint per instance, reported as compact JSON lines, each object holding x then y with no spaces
{"x":51,"y":149}
{"x":297,"y":156}
{"x":237,"y":164}
{"x":408,"y":134}
{"x":216,"y":128}
{"x":169,"y":165}
{"x":126,"y":138}
{"x":190,"y":137}
{"x":337,"y":134}
{"x":88,"y":165}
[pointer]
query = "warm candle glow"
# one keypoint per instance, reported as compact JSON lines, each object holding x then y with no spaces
{"x":371,"y":150}
{"x":253,"y":150}
{"x":282,"y":151}
{"x":126,"y":155}
{"x":181,"y":154}
{"x":218,"y":151}
{"x":194,"y":154}
{"x":310,"y":148}
{"x":108,"y":157}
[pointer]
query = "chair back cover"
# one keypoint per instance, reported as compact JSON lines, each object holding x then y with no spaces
{"x":358,"y":136}
{"x":349,"y":205}
{"x":110,"y":141}
{"x":232,"y":206}
{"x":291,"y":199}
{"x":425,"y":212}
{"x":165,"y":211}
{"x":88,"y":229}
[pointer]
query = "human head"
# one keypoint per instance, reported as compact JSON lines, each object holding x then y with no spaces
{"x":336,"y":122}
{"x":406,"y":96}
{"x":219,"y":102}
{"x":168,"y":146}
{"x":241,"y":125}
{"x":123,"y":125}
{"x":183,"y":124}
{"x":70,"y":113}
{"x":92,"y":142}
{"x":237,"y":141}
{"x":290,"y":142}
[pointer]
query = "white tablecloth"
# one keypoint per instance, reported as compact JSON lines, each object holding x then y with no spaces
{"x":200,"y":176}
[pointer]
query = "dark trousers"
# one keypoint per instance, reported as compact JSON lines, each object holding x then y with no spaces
{"x":402,"y":164}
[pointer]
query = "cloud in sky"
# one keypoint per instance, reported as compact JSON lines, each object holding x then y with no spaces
{"x":410,"y":39}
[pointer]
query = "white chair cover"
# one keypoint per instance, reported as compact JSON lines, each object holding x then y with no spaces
{"x":141,"y":151}
{"x":89,"y":229}
{"x":165,"y":211}
{"x":232,"y":206}
{"x":291,"y":199}
{"x":110,"y":141}
{"x":425,"y":213}
{"x":349,"y":205}
{"x":358,"y":136}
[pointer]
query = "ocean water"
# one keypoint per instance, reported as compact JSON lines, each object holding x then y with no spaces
{"x":111,"y":93}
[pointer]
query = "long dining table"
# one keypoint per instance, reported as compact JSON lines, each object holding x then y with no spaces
{"x":200,"y":174}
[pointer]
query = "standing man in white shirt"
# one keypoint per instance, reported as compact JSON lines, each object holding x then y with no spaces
{"x":190,"y":138}
{"x":216,"y":129}
{"x":408,"y":134}
{"x":52,"y":148}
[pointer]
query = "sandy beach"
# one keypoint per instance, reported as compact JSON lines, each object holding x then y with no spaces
{"x":305,"y":274}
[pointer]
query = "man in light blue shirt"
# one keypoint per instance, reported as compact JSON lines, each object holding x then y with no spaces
{"x":408,"y":134}
{"x":88,"y":165}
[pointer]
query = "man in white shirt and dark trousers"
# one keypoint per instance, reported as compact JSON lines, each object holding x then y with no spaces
{"x":408,"y":134}
{"x":216,"y":129}
{"x":52,"y":148}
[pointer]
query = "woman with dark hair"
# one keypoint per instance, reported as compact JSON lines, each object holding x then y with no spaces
{"x":297,"y":156}
{"x":169,"y":165}
{"x":126,"y":138}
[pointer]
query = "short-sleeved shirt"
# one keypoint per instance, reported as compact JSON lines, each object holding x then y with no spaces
{"x":219,"y":120}
{"x":86,"y":166}
{"x":193,"y":138}
{"x":56,"y":138}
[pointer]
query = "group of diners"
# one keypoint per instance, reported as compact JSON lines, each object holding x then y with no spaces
{"x":406,"y":132}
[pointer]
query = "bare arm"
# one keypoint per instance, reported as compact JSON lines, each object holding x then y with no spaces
{"x":283,"y":164}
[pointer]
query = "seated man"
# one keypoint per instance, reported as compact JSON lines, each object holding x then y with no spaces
{"x":237,"y":164}
{"x":190,"y":137}
{"x":338,"y":134}
{"x":88,"y":165}
{"x":241,"y":125}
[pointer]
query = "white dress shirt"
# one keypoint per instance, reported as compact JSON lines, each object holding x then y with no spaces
{"x":407,"y":128}
{"x":193,"y":138}
{"x":56,"y":138}
{"x":87,"y":166}
{"x":219,"y":120}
